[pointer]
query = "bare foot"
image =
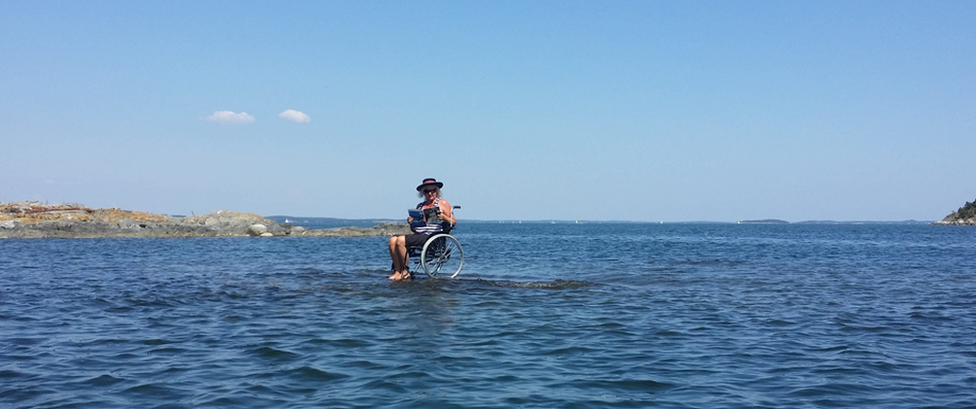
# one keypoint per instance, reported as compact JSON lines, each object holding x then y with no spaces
{"x":398,"y":276}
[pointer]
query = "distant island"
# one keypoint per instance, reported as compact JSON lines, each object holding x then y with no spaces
{"x":831,"y":222}
{"x":70,"y":220}
{"x":763,"y":221}
{"x":964,"y":216}
{"x":856,"y":222}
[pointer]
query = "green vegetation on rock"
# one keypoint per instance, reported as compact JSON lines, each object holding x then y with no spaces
{"x":968,"y":211}
{"x":966,"y":215}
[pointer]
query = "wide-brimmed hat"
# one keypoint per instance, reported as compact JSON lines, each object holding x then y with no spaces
{"x":430,"y":182}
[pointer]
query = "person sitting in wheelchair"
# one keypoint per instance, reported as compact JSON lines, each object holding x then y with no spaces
{"x":437,"y":217}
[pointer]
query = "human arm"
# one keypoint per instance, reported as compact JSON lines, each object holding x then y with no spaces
{"x":447,"y":213}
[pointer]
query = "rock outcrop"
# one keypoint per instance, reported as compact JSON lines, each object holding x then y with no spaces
{"x":69,"y":220}
{"x":964,"y":216}
{"x":385,"y":229}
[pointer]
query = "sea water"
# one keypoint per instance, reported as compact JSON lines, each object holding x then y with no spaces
{"x":542,"y":316}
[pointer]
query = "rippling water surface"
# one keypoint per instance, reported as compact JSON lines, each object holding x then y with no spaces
{"x":597,"y":315}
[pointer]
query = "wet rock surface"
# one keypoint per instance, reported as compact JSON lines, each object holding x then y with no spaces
{"x":69,"y":220}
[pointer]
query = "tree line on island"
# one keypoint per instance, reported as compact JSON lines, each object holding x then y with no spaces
{"x":968,"y":211}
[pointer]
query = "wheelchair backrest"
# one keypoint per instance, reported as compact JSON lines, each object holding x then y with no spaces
{"x":445,"y":226}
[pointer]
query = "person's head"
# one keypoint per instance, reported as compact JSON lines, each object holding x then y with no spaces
{"x":430,"y":188}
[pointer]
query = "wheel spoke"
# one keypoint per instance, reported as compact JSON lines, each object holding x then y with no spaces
{"x":442,"y":256}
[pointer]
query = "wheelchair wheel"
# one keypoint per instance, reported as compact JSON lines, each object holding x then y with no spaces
{"x":442,"y":256}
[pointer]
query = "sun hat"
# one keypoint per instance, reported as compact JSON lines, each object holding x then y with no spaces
{"x":430,"y":182}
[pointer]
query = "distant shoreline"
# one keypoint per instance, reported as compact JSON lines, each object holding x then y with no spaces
{"x":67,"y":220}
{"x":70,"y":220}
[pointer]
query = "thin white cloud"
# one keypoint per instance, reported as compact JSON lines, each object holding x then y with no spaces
{"x":295,"y":116}
{"x":230,"y":118}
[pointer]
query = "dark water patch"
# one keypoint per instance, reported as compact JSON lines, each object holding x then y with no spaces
{"x":623,"y":386}
{"x":11,"y":374}
{"x":307,"y":373}
{"x":103,"y":380}
{"x":156,"y":341}
{"x":383,"y":386}
{"x":167,"y":351}
{"x":344,"y":343}
{"x":26,"y":341}
{"x":569,"y":351}
{"x":224,"y":401}
{"x":272,"y":353}
{"x":152,"y":391}
{"x":546,"y":285}
{"x":355,"y":366}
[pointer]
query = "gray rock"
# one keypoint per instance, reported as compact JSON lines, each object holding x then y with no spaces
{"x":386,"y":229}
{"x":257,"y":229}
{"x":77,"y":221}
{"x":129,"y":225}
{"x":228,"y":223}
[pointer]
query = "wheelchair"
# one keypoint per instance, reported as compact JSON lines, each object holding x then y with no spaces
{"x":440,"y":257}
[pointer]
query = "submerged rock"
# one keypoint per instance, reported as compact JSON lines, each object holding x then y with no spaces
{"x":385,"y":229}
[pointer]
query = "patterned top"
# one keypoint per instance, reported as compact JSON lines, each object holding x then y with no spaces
{"x":434,"y":223}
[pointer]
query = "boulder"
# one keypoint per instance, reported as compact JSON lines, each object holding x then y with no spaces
{"x":257,"y":229}
{"x":229,"y":223}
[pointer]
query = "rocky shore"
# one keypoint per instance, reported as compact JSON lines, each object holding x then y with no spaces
{"x":68,"y":220}
{"x":964,"y":216}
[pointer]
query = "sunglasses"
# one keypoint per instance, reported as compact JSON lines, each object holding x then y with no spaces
{"x":429,"y":191}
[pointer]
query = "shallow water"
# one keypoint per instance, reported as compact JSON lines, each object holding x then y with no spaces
{"x":595,"y":315}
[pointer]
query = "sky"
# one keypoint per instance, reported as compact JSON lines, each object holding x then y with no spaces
{"x":566,"y":110}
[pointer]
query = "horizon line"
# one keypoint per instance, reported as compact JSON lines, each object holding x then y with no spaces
{"x":582,"y":221}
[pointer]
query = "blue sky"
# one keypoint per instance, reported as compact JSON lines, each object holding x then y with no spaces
{"x":596,"y":110}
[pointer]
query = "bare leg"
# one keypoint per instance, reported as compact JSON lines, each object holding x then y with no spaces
{"x":400,"y":257}
{"x":404,"y":256}
{"x":396,"y":260}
